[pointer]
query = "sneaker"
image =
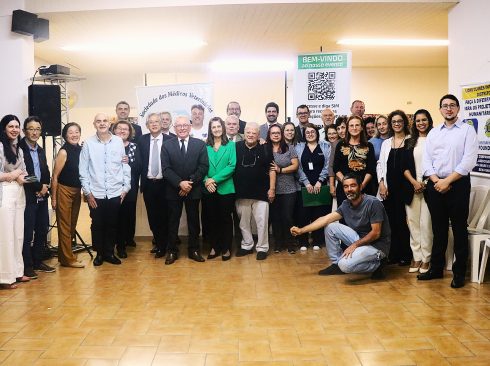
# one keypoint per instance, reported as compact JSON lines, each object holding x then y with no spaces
{"x":424,"y":267}
{"x":29,"y":272}
{"x":333,"y":269}
{"x":316,"y":247}
{"x":303,"y":248}
{"x":379,"y":274}
{"x":261,"y":256}
{"x":44,"y":268}
{"x":243,"y":252}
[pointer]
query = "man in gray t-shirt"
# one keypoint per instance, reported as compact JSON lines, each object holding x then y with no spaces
{"x":366,"y":233}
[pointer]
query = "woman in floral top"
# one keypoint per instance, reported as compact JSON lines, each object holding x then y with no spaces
{"x":354,"y":154}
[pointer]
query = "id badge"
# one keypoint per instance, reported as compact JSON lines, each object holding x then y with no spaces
{"x":310,"y":165}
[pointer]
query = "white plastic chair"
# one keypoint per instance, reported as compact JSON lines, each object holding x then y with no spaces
{"x":484,"y":260}
{"x":479,"y":211}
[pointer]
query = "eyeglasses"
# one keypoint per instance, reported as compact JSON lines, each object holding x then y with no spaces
{"x":449,"y":106}
{"x":182,"y":126}
{"x":33,"y":129}
{"x":302,"y":113}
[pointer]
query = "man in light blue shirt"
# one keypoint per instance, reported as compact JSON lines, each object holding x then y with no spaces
{"x":105,"y":182}
{"x":449,"y":156}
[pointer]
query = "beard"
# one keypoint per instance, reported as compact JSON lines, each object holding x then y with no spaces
{"x":353,"y":195}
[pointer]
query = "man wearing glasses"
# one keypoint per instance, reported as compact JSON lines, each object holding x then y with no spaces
{"x":36,"y":217}
{"x":450,"y":155}
{"x":303,"y":115}
{"x":255,"y":188}
{"x":184,"y":165}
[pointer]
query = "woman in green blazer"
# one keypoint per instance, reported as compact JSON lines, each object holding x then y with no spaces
{"x":218,"y":183}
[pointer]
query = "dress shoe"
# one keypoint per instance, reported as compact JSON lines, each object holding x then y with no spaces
{"x":98,"y":260}
{"x":430,"y":275}
{"x":112,"y":259}
{"x":160,"y":253}
{"x":154,"y":250}
{"x":214,"y":255}
{"x":261,"y":256}
{"x":131,"y":243}
{"x":243,"y":252}
{"x":225,"y":258}
{"x":457,"y":282}
{"x":195,"y":256}
{"x":121,"y":253}
{"x":171,"y":258}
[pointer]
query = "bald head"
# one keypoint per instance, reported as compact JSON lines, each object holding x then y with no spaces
{"x":101,"y":123}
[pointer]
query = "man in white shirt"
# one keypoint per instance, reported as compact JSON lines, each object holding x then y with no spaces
{"x":199,"y":129}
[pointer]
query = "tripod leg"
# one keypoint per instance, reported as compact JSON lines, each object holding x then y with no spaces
{"x":87,"y":248}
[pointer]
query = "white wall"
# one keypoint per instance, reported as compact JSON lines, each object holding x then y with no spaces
{"x":469,"y":54}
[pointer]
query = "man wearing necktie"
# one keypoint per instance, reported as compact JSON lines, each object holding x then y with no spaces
{"x":303,"y":115}
{"x":184,"y":165}
{"x":152,"y":182}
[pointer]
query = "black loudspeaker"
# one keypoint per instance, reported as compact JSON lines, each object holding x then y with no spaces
{"x":45,"y":102}
{"x":24,"y":22}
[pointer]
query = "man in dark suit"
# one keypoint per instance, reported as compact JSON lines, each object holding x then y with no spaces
{"x":303,"y":115}
{"x":122,"y":112}
{"x":184,"y":164}
{"x":233,"y":108}
{"x":148,"y":158}
{"x":36,"y":217}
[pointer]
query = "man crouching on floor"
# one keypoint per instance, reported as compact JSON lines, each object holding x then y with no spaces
{"x":366,"y":233}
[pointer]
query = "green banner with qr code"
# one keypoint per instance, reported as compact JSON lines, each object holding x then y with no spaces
{"x":322,"y":81}
{"x":323,"y":61}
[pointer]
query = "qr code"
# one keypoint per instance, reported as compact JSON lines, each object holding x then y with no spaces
{"x":321,"y":85}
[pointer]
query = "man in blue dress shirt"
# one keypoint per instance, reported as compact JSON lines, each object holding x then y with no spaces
{"x":105,"y":182}
{"x":450,"y":155}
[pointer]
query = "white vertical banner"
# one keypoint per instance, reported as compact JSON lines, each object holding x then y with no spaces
{"x":323,"y":80}
{"x":476,"y":112}
{"x":176,"y":99}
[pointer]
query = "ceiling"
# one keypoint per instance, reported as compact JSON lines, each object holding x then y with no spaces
{"x":251,"y":31}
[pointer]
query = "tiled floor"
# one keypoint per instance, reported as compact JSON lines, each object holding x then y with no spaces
{"x":240,"y":312}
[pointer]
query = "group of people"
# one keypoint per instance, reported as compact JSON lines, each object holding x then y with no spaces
{"x":387,"y":188}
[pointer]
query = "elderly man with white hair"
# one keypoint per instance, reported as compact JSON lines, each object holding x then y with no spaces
{"x":255,"y":187}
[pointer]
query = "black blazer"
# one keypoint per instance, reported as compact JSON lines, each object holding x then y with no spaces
{"x":31,"y":188}
{"x":137,"y":133}
{"x":408,"y":163}
{"x":299,"y":135}
{"x":143,"y":156}
{"x":241,"y":126}
{"x":176,"y":167}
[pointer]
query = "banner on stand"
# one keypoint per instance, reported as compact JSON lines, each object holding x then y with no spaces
{"x":176,"y":99}
{"x":476,"y":112}
{"x":323,"y":80}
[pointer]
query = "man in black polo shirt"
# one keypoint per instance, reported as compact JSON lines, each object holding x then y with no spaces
{"x":255,"y":187}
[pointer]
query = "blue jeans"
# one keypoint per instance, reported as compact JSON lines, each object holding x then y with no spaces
{"x":364,"y":259}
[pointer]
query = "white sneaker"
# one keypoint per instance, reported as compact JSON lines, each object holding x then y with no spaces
{"x":316,"y":247}
{"x":303,"y":249}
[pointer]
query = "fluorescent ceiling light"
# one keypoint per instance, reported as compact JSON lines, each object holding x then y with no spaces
{"x":251,"y":65}
{"x":137,"y":45}
{"x":392,"y":42}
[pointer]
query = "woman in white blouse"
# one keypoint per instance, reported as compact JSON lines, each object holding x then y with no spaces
{"x":12,"y":204}
{"x":419,"y":220}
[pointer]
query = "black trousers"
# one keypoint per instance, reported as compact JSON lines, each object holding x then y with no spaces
{"x":157,"y":211}
{"x":126,"y":223}
{"x":281,"y":214}
{"x":219,"y":212}
{"x":452,"y":205}
{"x":36,"y":222}
{"x":104,"y":225}
{"x":400,"y":234}
{"x":174,"y":213}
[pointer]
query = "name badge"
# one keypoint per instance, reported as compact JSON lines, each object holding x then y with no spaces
{"x":310,"y":165}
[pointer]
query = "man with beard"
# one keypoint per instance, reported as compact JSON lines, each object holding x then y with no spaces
{"x":450,"y":155}
{"x":366,"y":233}
{"x":271,"y":113}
